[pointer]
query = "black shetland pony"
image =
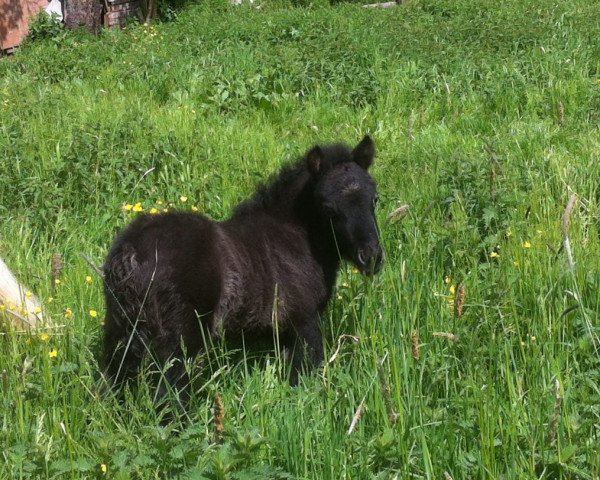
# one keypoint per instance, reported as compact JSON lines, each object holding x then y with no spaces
{"x":275,"y":260}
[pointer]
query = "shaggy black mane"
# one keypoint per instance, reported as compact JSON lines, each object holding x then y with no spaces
{"x":283,"y":188}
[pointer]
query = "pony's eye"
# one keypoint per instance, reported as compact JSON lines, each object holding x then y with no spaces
{"x":329,"y":209}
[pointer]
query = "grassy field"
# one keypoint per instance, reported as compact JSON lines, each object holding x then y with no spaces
{"x":486,"y":116}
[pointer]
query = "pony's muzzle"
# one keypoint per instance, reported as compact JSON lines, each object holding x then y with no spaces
{"x":370,"y":259}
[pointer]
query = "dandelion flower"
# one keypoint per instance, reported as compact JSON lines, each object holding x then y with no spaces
{"x":183,"y":199}
{"x":494,"y":254}
{"x":159,"y":202}
{"x":153,"y":210}
{"x":138,"y":207}
{"x":88,"y":279}
{"x":57,"y":281}
{"x":44,"y":337}
{"x":68,"y":313}
{"x":37,"y":310}
{"x":53,"y":353}
{"x":103,"y":468}
{"x":450,"y":297}
{"x":526,"y":244}
{"x":194,"y":208}
{"x":128,"y":206}
{"x":28,"y":293}
{"x":93,"y":313}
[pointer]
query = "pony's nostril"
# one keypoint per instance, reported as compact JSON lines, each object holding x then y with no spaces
{"x":361,"y":257}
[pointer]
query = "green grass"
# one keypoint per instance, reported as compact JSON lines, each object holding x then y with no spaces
{"x":486,"y":117}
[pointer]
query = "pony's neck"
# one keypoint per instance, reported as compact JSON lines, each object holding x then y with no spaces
{"x":290,"y":199}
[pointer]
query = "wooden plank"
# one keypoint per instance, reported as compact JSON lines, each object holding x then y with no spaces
{"x":14,"y":20}
{"x":19,"y":306}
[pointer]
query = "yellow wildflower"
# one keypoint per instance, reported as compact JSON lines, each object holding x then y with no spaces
{"x":194,"y":208}
{"x":28,"y":293}
{"x":57,"y":281}
{"x":138,"y":207}
{"x":37,"y":310}
{"x":103,"y":468}
{"x":44,"y":337}
{"x":450,"y":298}
{"x":526,"y":244}
{"x":50,"y":299}
{"x":183,"y":199}
{"x":53,"y":353}
{"x":2,"y":306}
{"x":127,"y":206}
{"x":159,"y":202}
{"x":494,"y":254}
{"x":93,"y":313}
{"x":68,"y":313}
{"x":508,"y":233}
{"x":154,"y":210}
{"x":447,"y":279}
{"x":88,"y":279}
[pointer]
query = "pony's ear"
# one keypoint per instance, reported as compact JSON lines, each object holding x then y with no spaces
{"x":364,"y":152}
{"x":315,"y":161}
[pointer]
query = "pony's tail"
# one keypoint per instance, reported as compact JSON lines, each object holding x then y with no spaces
{"x":124,"y":325}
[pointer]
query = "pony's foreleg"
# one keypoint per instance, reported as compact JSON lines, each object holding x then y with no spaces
{"x":307,"y":347}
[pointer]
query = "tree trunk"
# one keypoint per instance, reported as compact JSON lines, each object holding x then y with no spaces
{"x":83,"y":13}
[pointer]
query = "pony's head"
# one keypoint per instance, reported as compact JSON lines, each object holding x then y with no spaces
{"x":346,"y":196}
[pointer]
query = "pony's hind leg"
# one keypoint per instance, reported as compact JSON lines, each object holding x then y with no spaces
{"x":178,"y":339}
{"x":171,"y":377}
{"x":123,"y":349}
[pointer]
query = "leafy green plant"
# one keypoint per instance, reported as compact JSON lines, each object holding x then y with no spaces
{"x":46,"y":26}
